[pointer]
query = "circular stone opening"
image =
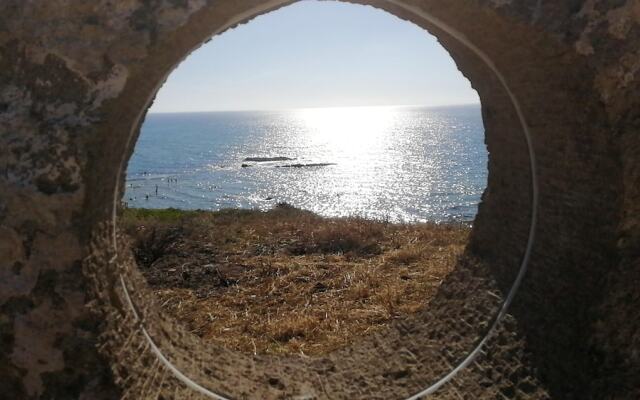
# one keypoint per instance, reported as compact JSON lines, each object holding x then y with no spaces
{"x":318,"y":224}
{"x":416,"y":355}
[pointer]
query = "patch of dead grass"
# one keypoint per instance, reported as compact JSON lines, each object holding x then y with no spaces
{"x":286,"y":280}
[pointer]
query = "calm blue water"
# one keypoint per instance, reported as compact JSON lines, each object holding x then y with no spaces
{"x":401,"y":164}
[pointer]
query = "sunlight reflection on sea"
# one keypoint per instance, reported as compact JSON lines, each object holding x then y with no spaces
{"x":395,"y":163}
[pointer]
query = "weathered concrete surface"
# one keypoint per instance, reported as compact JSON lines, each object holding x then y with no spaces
{"x":74,"y":78}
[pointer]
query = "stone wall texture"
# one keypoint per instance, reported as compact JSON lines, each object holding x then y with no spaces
{"x":75,"y":80}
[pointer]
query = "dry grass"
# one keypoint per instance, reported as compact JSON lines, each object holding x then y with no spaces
{"x":286,"y":280}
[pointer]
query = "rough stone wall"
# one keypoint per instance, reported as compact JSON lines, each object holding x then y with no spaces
{"x":617,"y":326}
{"x":75,"y":75}
{"x":595,"y":248}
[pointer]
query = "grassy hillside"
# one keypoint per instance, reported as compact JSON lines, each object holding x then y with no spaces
{"x":287,"y":280}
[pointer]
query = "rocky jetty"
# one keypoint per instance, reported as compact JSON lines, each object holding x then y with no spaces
{"x":267,"y":159}
{"x":299,"y":165}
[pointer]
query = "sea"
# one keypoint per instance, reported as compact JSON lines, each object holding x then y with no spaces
{"x":399,"y":164}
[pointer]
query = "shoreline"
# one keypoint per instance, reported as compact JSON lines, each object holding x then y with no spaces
{"x":272,"y":203}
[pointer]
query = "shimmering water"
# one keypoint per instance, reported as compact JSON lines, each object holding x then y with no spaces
{"x":395,"y":163}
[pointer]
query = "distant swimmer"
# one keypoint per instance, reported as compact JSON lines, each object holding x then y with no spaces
{"x":146,"y":197}
{"x":156,"y":190}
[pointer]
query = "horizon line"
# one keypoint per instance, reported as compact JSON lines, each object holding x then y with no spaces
{"x":317,"y":107}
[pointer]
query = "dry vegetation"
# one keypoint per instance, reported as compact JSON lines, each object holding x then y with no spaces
{"x":287,"y":280}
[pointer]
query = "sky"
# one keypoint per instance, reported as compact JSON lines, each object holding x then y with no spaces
{"x":316,"y":54}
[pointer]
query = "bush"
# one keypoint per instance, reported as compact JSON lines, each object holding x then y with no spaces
{"x":342,"y":236}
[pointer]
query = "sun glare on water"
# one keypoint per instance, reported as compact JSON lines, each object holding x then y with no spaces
{"x":352,"y":136}
{"x":348,"y":128}
{"x":390,"y":162}
{"x":356,"y":139}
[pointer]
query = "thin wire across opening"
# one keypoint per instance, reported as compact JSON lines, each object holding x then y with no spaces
{"x":473,"y":353}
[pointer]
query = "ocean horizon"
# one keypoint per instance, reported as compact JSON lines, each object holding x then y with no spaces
{"x":396,"y":163}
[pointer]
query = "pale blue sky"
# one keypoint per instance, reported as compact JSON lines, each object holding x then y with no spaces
{"x":316,"y":54}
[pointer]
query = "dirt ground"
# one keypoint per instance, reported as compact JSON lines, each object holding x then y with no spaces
{"x":287,"y":280}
